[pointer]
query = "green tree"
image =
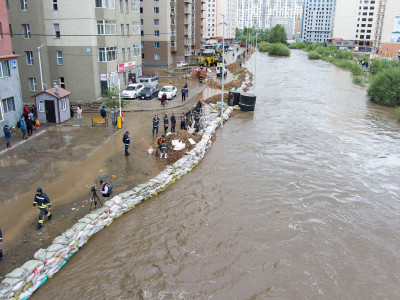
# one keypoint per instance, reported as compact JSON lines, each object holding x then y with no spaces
{"x":238,"y":32}
{"x":385,"y":87}
{"x":277,"y":35}
{"x":263,"y":35}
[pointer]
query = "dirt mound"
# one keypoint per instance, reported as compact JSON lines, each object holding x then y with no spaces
{"x":182,"y":135}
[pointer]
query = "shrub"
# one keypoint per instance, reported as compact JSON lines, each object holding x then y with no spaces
{"x":279,"y":50}
{"x":297,"y":45}
{"x":359,"y":81}
{"x":314,"y":55}
{"x":385,"y":87}
{"x":344,"y":54}
{"x":356,"y":69}
{"x":343,"y":63}
{"x":263,"y":46}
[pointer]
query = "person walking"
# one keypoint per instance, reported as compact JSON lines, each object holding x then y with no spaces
{"x":187,"y":89}
{"x":37,"y":124}
{"x":183,"y":91}
{"x":43,"y":203}
{"x":22,"y":125}
{"x":29,"y":125}
{"x":127,"y":141}
{"x":103,"y":112}
{"x":164,"y":99}
{"x":156,"y":122}
{"x":34,"y":111}
{"x":165,"y":119}
{"x":163,"y":149}
{"x":183,"y":121}
{"x":7,"y":135}
{"x":79,"y":112}
{"x":71,"y":111}
{"x":173,"y":122}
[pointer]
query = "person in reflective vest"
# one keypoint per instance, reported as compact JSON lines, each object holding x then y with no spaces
{"x":43,"y":203}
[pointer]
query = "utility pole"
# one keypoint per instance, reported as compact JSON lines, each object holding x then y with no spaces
{"x":40,"y":66}
{"x":223,"y":69}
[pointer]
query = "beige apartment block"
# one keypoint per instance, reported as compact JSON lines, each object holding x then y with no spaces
{"x":213,"y":18}
{"x":387,"y":31}
{"x":171,"y":31}
{"x":355,"y":23}
{"x":86,"y":47}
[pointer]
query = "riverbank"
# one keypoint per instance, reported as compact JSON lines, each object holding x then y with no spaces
{"x":68,"y":160}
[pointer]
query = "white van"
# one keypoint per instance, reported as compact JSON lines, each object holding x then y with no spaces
{"x":149,"y":81}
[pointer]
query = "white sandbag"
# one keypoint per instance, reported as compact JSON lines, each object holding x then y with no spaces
{"x":79,"y":226}
{"x":61,"y":240}
{"x":31,"y":265}
{"x":124,"y":195}
{"x":30,"y":278}
{"x":56,"y":247}
{"x":18,"y":273}
{"x":16,"y":283}
{"x":5,"y":289}
{"x":116,"y":199}
{"x":109,"y":203}
{"x":25,"y":295}
{"x":92,"y":216}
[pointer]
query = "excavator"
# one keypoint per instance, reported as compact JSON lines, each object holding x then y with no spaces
{"x":208,"y":58}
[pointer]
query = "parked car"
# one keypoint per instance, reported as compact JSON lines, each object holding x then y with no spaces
{"x":170,"y":91}
{"x":132,"y":91}
{"x":219,"y":71}
{"x":148,"y":93}
{"x":181,"y":64}
{"x":149,"y":81}
{"x":230,"y":48}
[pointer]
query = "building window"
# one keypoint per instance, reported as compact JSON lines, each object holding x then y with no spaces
{"x":59,"y":57}
{"x":126,"y":6}
{"x":23,"y":4}
{"x":156,"y":56}
{"x":156,"y":32}
{"x":141,"y":33}
{"x":127,"y":29}
{"x":156,"y":10}
{"x":7,"y":5}
{"x":128,"y":51}
{"x":61,"y":82}
{"x":107,"y":54}
{"x":4,"y":69}
{"x":122,"y":29}
{"x":173,"y":43}
{"x":11,"y":34}
{"x":173,"y":32}
{"x":26,"y":31}
{"x":137,"y":50}
{"x":32,"y":84}
{"x":136,"y":28}
{"x":57,"y":31}
{"x":141,"y":22}
{"x":105,"y":27}
{"x":156,"y":21}
{"x":141,"y":10}
{"x":55,"y":4}
{"x":172,"y":9}
{"x":63,"y":104}
{"x":173,"y":21}
{"x":123,"y":53}
{"x":135,"y":5}
{"x":29,"y":57}
{"x":156,"y":44}
{"x":105,"y":3}
{"x":121,"y":7}
{"x":41,"y":106}
{"x":8,"y":105}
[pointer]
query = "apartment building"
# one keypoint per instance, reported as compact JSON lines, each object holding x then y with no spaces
{"x":267,"y":13}
{"x":355,"y":23}
{"x":318,"y":17}
{"x":82,"y":46}
{"x":10,"y":90}
{"x":213,"y":18}
{"x":171,"y":30}
{"x":387,"y":29}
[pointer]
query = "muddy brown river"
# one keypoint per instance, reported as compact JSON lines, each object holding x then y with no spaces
{"x":298,"y":200}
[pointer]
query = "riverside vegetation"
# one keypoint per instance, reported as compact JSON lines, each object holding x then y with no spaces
{"x":382,"y":76}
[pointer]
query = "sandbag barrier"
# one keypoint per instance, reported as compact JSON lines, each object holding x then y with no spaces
{"x":22,"y":282}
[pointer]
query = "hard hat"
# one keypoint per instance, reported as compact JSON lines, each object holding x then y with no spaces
{"x":39,"y":190}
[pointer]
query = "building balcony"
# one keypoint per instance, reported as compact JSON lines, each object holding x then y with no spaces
{"x":187,"y":22}
{"x":174,"y":48}
{"x":188,"y":43}
{"x":188,"y":1}
{"x":188,"y":12}
{"x":187,"y":32}
{"x":188,"y":53}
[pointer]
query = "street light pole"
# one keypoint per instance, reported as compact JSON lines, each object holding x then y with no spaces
{"x":40,"y":66}
{"x":223,"y":69}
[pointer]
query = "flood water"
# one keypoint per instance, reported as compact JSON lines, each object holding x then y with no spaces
{"x":298,"y":200}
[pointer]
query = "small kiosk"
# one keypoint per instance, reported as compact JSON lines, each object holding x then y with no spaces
{"x":53,"y":105}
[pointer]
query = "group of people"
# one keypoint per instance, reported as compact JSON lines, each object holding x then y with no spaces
{"x":78,"y":112}
{"x":27,"y":124}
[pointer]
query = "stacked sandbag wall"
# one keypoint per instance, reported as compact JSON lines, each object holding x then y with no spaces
{"x":23,"y":281}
